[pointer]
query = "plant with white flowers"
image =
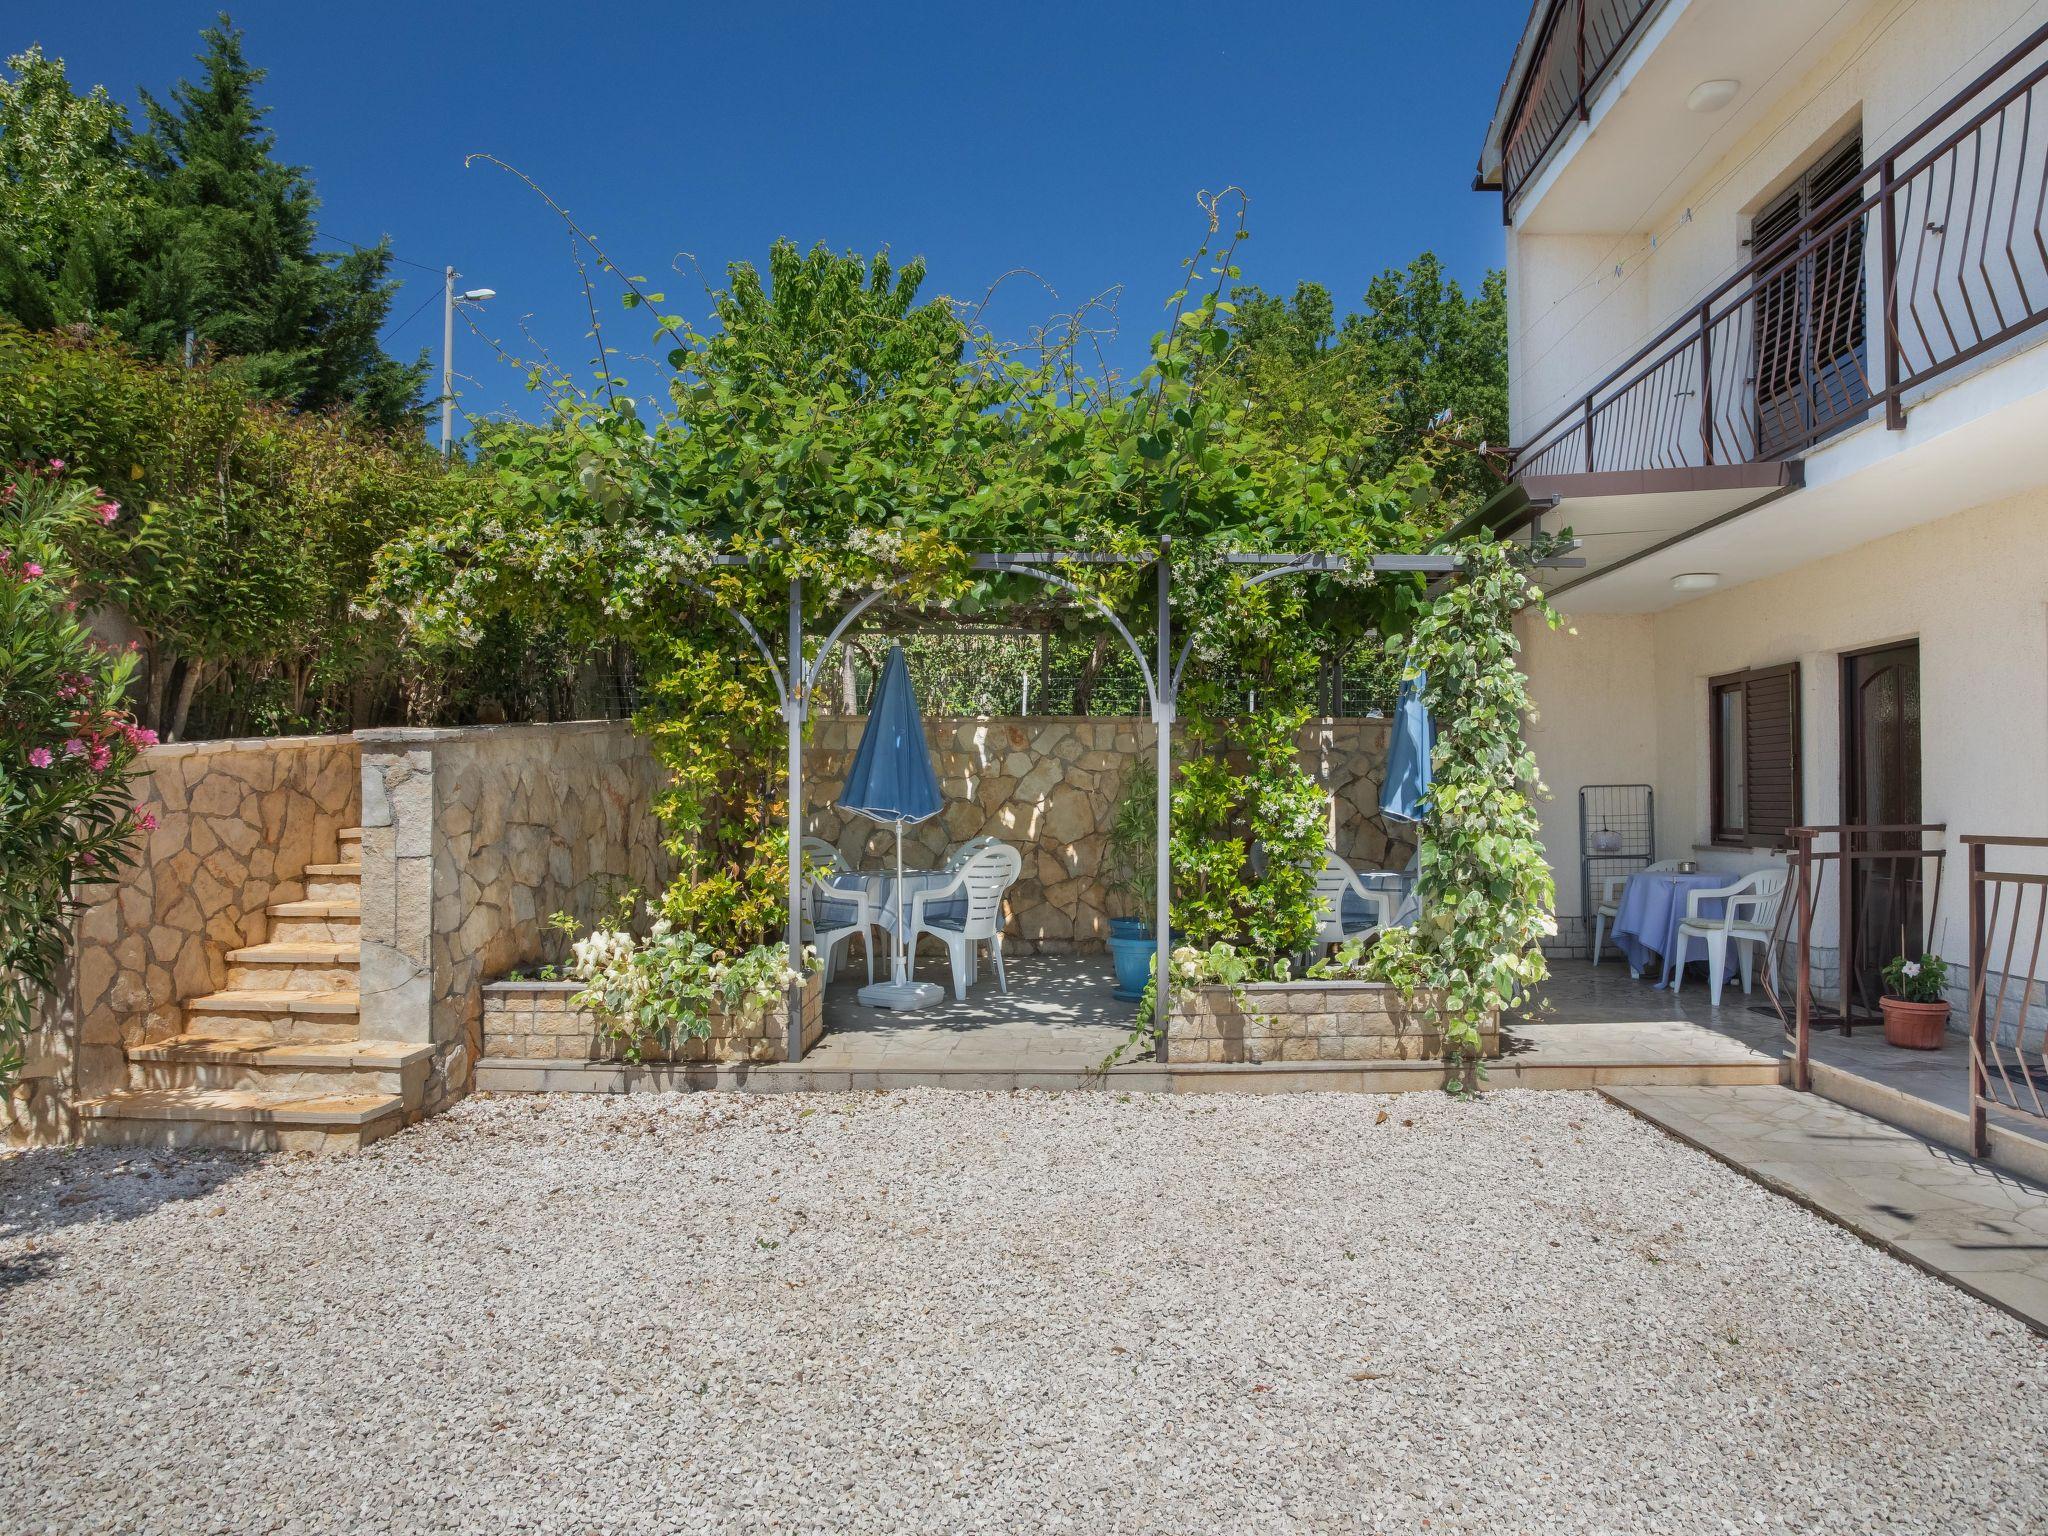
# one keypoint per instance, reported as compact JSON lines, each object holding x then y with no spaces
{"x":1921,"y":980}
{"x":667,"y":987}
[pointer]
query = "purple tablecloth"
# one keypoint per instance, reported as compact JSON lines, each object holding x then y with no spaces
{"x":1651,"y":908}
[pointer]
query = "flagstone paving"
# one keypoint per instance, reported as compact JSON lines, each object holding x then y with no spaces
{"x":1976,"y":1227}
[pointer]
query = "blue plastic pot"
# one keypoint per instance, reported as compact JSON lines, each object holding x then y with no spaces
{"x":1133,"y":956}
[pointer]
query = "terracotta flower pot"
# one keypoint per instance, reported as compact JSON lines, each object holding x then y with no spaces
{"x":1914,"y":1026}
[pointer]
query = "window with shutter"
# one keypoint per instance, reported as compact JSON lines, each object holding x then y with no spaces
{"x":1810,"y":358}
{"x":1753,"y":740}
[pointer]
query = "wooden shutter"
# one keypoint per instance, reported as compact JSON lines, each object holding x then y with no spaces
{"x":1810,"y":354}
{"x":1770,"y":745}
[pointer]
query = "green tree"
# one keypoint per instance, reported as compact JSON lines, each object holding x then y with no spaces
{"x":193,"y":228}
{"x":1420,"y":360}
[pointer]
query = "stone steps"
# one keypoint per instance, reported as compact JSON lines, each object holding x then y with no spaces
{"x":273,"y":1061}
{"x":312,"y":966}
{"x":295,"y":1068}
{"x":249,"y":1120}
{"x":315,"y":921}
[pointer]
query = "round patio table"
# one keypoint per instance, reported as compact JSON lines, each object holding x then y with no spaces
{"x":1652,"y":906}
{"x":880,"y":884}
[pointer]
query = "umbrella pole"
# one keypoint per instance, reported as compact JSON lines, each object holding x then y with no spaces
{"x":902,"y":970}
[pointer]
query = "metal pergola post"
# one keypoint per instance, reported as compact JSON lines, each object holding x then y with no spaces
{"x":794,"y":681}
{"x":1163,"y":692}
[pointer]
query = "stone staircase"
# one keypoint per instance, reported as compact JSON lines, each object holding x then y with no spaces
{"x":274,"y":1062}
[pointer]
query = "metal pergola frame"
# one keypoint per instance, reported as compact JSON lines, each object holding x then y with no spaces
{"x":795,"y":680}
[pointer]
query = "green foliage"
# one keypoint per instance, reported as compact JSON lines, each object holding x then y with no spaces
{"x":665,"y":988}
{"x":1423,"y":363}
{"x":66,"y":745}
{"x":1486,"y":893}
{"x":1130,"y":848}
{"x":191,"y":228}
{"x":1916,"y":978}
{"x":245,"y":533}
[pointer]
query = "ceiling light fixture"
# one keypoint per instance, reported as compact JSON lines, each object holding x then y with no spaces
{"x":1695,"y":581}
{"x":1712,"y":95}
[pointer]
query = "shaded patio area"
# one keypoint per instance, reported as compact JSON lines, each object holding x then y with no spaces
{"x":1060,"y":1014}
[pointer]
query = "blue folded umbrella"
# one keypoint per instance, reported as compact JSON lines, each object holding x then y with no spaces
{"x":1404,"y":793}
{"x":892,"y":780}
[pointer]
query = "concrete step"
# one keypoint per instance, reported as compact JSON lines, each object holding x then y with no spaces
{"x":315,"y":921}
{"x":250,"y":1120}
{"x":310,"y":966}
{"x":351,"y":839}
{"x":303,"y":1068}
{"x":333,"y":882}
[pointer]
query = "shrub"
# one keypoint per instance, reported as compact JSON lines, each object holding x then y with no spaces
{"x":66,"y":744}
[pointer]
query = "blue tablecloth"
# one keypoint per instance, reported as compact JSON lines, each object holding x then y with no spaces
{"x":1653,"y":905}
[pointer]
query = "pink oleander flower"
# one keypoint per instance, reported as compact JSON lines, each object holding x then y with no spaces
{"x":141,"y":736}
{"x":88,"y":858}
{"x":39,"y":757}
{"x":73,"y":747}
{"x":56,"y":466}
{"x":146,"y":821}
{"x":108,"y":511}
{"x":31,"y":570}
{"x":102,"y":758}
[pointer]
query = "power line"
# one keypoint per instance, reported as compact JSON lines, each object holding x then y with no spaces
{"x":408,"y":320}
{"x":380,"y":246}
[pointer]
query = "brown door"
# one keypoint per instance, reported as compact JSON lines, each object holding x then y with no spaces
{"x":1881,"y":788}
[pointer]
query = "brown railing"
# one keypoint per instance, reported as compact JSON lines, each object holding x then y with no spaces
{"x":1779,"y":355}
{"x":1579,"y":42}
{"x":2007,"y":998}
{"x":1886,"y":898}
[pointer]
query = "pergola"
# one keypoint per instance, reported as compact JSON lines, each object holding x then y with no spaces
{"x":795,"y":679}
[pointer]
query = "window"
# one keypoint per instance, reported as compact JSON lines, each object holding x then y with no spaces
{"x":1753,"y":742}
{"x":1810,"y":373}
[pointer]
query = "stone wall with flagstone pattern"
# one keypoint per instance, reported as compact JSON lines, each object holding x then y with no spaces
{"x":237,"y":824}
{"x":471,"y":839}
{"x":1048,"y":785}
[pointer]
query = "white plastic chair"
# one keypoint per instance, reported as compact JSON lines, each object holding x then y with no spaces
{"x":1750,"y":917}
{"x":835,"y":914}
{"x":1335,"y":884}
{"x":968,"y":850}
{"x":817,"y":852}
{"x":982,"y":880}
{"x":1610,"y":899}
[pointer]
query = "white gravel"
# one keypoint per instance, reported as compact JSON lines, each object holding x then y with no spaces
{"x":946,"y":1312}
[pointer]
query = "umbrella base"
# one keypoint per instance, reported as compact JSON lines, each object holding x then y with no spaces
{"x":901,"y":995}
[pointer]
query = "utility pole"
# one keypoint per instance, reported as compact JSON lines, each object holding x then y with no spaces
{"x":449,"y":299}
{"x":447,"y":361}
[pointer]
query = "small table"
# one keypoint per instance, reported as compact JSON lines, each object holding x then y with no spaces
{"x":880,"y":884}
{"x":1652,"y":906}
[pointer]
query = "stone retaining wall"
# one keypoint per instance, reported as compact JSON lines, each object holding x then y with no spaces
{"x":237,"y":824}
{"x":536,"y":1021}
{"x":1307,"y":1021}
{"x":471,"y":839}
{"x":1049,"y":786}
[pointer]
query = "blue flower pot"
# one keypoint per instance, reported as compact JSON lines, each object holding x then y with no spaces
{"x":1133,"y":956}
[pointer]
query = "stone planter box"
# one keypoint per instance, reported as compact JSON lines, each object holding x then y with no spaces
{"x":1286,"y":1021}
{"x":536,"y":1021}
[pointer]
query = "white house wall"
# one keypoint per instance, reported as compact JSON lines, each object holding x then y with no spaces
{"x":1971,"y":588}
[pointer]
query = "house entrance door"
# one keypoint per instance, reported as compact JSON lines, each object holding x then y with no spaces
{"x":1881,"y":788}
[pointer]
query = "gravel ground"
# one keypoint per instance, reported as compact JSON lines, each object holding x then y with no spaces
{"x":945,"y":1312}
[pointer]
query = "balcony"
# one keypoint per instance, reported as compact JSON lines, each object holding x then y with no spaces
{"x":1936,"y":255}
{"x":1577,"y":46}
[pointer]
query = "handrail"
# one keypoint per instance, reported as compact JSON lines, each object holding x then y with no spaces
{"x":1994,"y":1061}
{"x":1694,"y":329}
{"x":1519,"y":164}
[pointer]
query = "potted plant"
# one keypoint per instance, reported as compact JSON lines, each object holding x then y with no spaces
{"x":1915,"y":1011}
{"x":1130,"y":869}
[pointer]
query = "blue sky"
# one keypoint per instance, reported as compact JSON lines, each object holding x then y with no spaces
{"x":1067,"y":138}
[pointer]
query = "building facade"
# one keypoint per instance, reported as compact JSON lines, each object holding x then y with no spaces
{"x":1776,"y":272}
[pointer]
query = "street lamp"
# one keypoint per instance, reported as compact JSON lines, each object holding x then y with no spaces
{"x":449,"y":299}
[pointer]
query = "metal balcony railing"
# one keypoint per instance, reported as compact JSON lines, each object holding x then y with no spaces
{"x":1796,"y":345}
{"x":1580,"y":42}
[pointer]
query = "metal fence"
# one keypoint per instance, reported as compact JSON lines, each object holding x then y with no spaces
{"x":2007,"y":999}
